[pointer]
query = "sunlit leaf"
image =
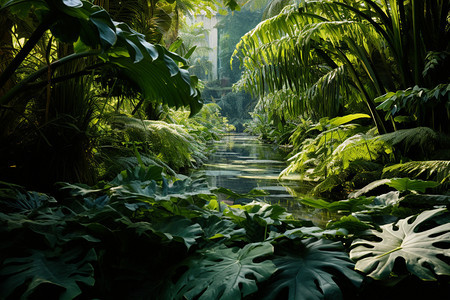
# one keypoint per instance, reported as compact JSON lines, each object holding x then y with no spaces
{"x":406,"y":184}
{"x":425,"y":251}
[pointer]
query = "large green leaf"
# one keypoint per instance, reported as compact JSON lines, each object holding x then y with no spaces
{"x":152,"y":68}
{"x":310,"y":273}
{"x":424,"y":251}
{"x":349,"y":205}
{"x":175,"y":228}
{"x":152,"y":191}
{"x":216,"y":227}
{"x":263,"y":213}
{"x":13,"y":199}
{"x":224,"y":273}
{"x":406,"y":184}
{"x":139,"y":173}
{"x":62,"y":272}
{"x":346,"y":119}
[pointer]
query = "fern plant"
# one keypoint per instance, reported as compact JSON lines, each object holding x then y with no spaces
{"x":170,"y":143}
{"x":312,"y":157}
{"x":437,"y":170}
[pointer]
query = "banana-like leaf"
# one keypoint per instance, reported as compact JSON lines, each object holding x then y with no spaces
{"x":425,"y":252}
{"x":224,"y":273}
{"x":406,"y":184}
{"x":61,"y":272}
{"x":310,"y":272}
{"x":349,"y":205}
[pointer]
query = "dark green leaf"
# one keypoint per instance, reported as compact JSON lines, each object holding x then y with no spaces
{"x":62,"y":271}
{"x":225,"y":274}
{"x":105,"y":27}
{"x":310,"y":272}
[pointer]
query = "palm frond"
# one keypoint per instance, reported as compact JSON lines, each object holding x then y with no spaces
{"x":310,"y":52}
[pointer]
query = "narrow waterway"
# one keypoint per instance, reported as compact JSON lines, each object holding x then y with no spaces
{"x":241,"y":163}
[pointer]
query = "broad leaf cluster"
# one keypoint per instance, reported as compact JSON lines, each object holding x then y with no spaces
{"x":146,"y":234}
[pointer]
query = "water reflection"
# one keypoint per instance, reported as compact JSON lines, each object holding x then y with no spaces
{"x":242,"y":163}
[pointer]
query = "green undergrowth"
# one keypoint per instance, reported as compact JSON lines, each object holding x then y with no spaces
{"x":176,"y":142}
{"x":340,"y":155}
{"x":147,"y":235}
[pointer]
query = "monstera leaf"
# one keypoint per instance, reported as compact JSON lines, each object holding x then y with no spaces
{"x":224,"y":273}
{"x":176,"y":228}
{"x":216,"y":227}
{"x":422,"y":250}
{"x":262,"y":213}
{"x":310,"y":272}
{"x":92,"y":32}
{"x":62,"y":273}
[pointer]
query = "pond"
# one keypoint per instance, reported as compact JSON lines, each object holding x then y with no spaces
{"x":241,"y":163}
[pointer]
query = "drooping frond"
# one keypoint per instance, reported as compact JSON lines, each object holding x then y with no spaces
{"x":169,"y":142}
{"x":438,"y":170}
{"x":313,"y":155}
{"x":421,"y":140}
{"x":319,"y":51}
{"x":358,"y":147}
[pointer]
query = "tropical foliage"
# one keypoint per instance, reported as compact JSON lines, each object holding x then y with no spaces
{"x":102,"y":120}
{"x":146,"y":235}
{"x":334,"y":54}
{"x":110,"y":228}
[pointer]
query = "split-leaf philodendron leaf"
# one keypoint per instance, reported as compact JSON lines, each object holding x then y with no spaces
{"x":62,"y":273}
{"x":309,"y":273}
{"x":224,"y":273}
{"x":421,"y":250}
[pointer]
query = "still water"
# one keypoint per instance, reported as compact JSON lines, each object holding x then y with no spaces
{"x":241,"y":163}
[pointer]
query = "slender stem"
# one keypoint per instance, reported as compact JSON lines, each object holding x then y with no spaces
{"x":23,"y":53}
{"x":59,"y":79}
{"x":375,"y":116}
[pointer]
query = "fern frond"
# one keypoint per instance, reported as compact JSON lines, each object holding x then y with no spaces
{"x":422,"y":140}
{"x":171,"y":143}
{"x":357,"y":147}
{"x":437,"y":170}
